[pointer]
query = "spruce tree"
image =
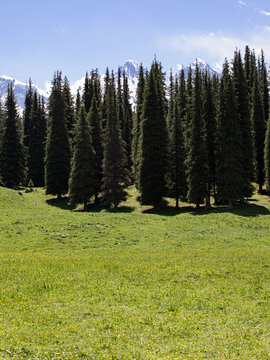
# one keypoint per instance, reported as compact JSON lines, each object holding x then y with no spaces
{"x":87,"y":93}
{"x":267,"y":156}
{"x":136,"y":130}
{"x":177,"y":180}
{"x":69,"y":109}
{"x":243,"y":114}
{"x":263,"y":84}
{"x":27,"y":115}
{"x":115,"y":175}
{"x":257,"y":116}
{"x":12,"y":170}
{"x":209,"y":123}
{"x":37,"y":142}
{"x":196,"y":159}
{"x":57,"y":158}
{"x":77,"y":103}
{"x":1,"y":119}
{"x":82,"y":175}
{"x":154,"y":141}
{"x":229,"y":142}
{"x":94,"y":120}
{"x":127,"y":121}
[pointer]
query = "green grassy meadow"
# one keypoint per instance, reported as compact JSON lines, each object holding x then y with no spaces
{"x":126,"y":285}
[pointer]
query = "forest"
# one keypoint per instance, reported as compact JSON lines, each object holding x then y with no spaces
{"x":201,"y":139}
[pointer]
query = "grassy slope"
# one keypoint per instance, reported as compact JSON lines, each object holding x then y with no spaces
{"x":126,"y":285}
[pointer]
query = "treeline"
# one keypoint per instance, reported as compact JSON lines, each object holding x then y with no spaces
{"x":200,"y":137}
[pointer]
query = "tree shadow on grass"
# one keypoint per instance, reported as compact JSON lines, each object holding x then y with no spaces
{"x":100,"y":207}
{"x":62,"y":203}
{"x":247,"y":210}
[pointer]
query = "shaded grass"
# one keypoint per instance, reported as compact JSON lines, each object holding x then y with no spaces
{"x":127,"y":285}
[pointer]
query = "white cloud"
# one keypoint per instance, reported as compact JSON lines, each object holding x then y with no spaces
{"x":214,"y":47}
{"x":242,"y":3}
{"x":267,"y":13}
{"x":267,"y":28}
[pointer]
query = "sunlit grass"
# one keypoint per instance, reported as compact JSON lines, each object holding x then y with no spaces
{"x":126,"y":285}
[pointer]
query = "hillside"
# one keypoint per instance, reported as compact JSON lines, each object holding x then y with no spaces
{"x":126,"y":285}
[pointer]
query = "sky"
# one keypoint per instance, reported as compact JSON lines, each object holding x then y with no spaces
{"x":40,"y":37}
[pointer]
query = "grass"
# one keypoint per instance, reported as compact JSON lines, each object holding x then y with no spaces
{"x":126,"y":285}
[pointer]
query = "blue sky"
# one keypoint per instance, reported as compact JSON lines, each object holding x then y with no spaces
{"x":39,"y":37}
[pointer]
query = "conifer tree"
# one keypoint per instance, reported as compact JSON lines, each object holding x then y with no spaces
{"x":37,"y":142}
{"x":12,"y":169}
{"x":69,"y":108}
{"x":244,"y":118}
{"x":258,"y":122}
{"x":263,"y":83}
{"x":82,"y":175}
{"x":27,"y":115}
{"x":87,"y":93}
{"x":196,"y":160}
{"x":154,"y":140}
{"x":115,"y":175}
{"x":127,"y":121}
{"x":57,"y":158}
{"x":1,"y":119}
{"x":229,"y":142}
{"x":209,"y":123}
{"x":175,"y":118}
{"x":188,"y":116}
{"x":96,"y":87}
{"x":105,"y":98}
{"x":77,"y":104}
{"x":136,"y":130}
{"x":267,"y":156}
{"x":94,"y":120}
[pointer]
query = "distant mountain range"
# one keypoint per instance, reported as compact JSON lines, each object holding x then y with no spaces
{"x":130,"y":67}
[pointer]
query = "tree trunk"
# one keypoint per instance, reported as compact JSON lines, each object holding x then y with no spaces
{"x":85,"y":205}
{"x":207,"y":203}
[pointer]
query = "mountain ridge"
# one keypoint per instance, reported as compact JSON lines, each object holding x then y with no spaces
{"x":130,"y":67}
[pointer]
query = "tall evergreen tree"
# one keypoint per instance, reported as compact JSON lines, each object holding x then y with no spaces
{"x":87,"y":93}
{"x":267,"y":156}
{"x":243,"y":114}
{"x":229,"y":142}
{"x":263,"y":83}
{"x":209,"y":123}
{"x":94,"y":120}
{"x":154,"y":141}
{"x":127,"y":121}
{"x":258,"y":122}
{"x":12,"y":169}
{"x":57,"y":158}
{"x":1,"y":119}
{"x":37,"y":142}
{"x":136,"y":130}
{"x":77,"y":103}
{"x":82,"y":175}
{"x":177,"y":180}
{"x":69,"y":109}
{"x":114,"y":159}
{"x":196,"y":160}
{"x":104,"y":114}
{"x":27,"y":115}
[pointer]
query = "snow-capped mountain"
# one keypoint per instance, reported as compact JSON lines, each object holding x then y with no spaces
{"x":20,"y":89}
{"x":130,"y":67}
{"x":203,"y":66}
